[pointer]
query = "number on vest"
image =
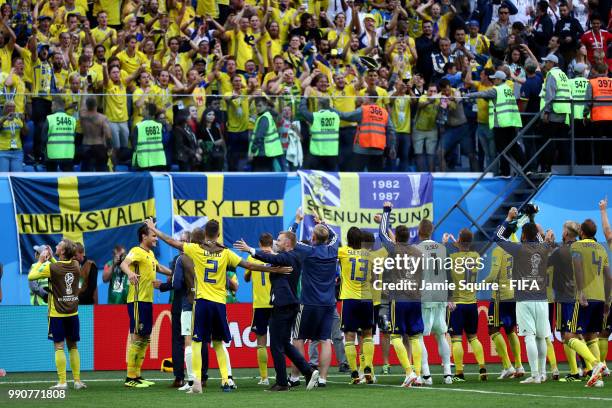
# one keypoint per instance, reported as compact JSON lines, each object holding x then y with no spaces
{"x":375,"y":110}
{"x":328,"y":122}
{"x":508,"y":93}
{"x":63,"y":120}
{"x":151,"y":130}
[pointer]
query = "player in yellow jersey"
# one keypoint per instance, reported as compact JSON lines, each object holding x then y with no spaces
{"x":502,"y":313}
{"x":607,"y":328}
{"x":63,"y":308}
{"x":593,"y":291}
{"x":357,"y":308}
{"x":380,"y":319}
{"x":463,"y":316}
{"x":211,"y":261}
{"x":140,"y":266}
{"x":262,"y":308}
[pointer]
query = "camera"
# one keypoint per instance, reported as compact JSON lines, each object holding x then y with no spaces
{"x":529,"y":210}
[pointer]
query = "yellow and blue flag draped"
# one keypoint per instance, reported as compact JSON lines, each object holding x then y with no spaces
{"x":345,"y":200}
{"x":97,"y":211}
{"x":244,"y":205}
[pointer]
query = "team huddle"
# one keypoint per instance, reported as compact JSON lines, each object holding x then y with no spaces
{"x":569,"y":289}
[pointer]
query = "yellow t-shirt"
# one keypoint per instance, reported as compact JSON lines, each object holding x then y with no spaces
{"x":73,"y":106}
{"x":99,"y":34}
{"x":42,"y":73}
{"x":501,"y":272}
{"x":18,"y":89}
{"x":207,"y":7}
{"x":355,"y":273}
{"x":244,"y":51}
{"x":383,"y":96}
{"x":594,"y":259}
{"x":5,"y":59}
{"x":482,"y":116}
{"x":144,"y":265}
{"x":39,"y":271}
{"x":443,"y":24}
{"x":138,"y":112}
{"x":112,"y":8}
{"x":284,"y":21}
{"x":400,"y":114}
{"x":131,"y":64}
{"x":211,"y":271}
{"x":377,"y":258}
{"x":115,"y":102}
{"x":237,"y":112}
{"x":344,"y":101}
{"x":261,"y":286}
{"x":460,"y":273}
{"x":199,"y":99}
{"x":10,"y":134}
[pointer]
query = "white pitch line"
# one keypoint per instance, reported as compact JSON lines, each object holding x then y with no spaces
{"x":491,"y":392}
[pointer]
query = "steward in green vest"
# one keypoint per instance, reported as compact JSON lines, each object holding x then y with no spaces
{"x":60,"y":138}
{"x":578,"y":89}
{"x":324,"y":135}
{"x":39,"y":288}
{"x":264,"y":145}
{"x":504,"y":118}
{"x":148,"y":147}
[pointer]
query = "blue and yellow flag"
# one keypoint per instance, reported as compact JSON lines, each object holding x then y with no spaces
{"x":244,"y":205}
{"x":97,"y":211}
{"x":347,"y":200}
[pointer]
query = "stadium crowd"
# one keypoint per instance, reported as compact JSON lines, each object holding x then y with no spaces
{"x":237,"y":85}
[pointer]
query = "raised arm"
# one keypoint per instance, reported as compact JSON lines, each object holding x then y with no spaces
{"x":511,"y":247}
{"x":386,"y":240}
{"x":265,"y":268}
{"x":167,"y":239}
{"x":603,"y":206}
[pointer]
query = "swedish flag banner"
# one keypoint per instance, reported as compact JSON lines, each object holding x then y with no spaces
{"x":345,"y":200}
{"x":244,"y":205}
{"x":97,"y":211}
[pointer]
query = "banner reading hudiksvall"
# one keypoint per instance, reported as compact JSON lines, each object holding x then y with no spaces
{"x":97,"y":211}
{"x":244,"y":205}
{"x":345,"y":200}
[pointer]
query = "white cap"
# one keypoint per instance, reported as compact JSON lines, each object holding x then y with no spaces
{"x":551,"y":58}
{"x":498,"y":75}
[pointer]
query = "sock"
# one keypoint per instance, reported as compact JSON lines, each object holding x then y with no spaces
{"x":227,"y":360}
{"x":131,"y":360}
{"x":221,"y":360}
{"x":458,"y":355}
{"x":140,"y":356}
{"x":603,"y":349}
{"x":60,"y":365}
{"x":502,"y":350}
{"x":593,"y":345}
{"x":417,"y":353}
{"x":189,"y":362}
{"x":532,"y":354}
{"x":570,"y":355}
{"x":196,"y":359}
{"x":75,"y":363}
{"x":550,"y":354}
{"x":424,"y":359}
{"x":478,"y":351}
{"x":361,"y":361}
{"x":351,"y":354}
{"x":515,"y":346}
{"x":542,"y":351}
{"x":583,"y":351}
{"x":367,"y":348}
{"x":402,"y":354}
{"x":444,"y":351}
{"x":262,"y":361}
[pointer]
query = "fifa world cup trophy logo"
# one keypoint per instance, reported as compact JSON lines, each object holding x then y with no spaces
{"x":536,"y":259}
{"x":415,"y":184}
{"x":69,"y":278}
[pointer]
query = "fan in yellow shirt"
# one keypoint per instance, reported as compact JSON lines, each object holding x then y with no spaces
{"x":211,"y":261}
{"x":131,"y":59}
{"x":262,"y":308}
{"x":141,"y":266}
{"x":145,"y":94}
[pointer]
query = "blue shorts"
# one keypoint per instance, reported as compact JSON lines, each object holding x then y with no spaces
{"x":64,"y":328}
{"x":406,"y":318}
{"x":356,"y":315}
{"x":261,"y":317}
{"x":210,"y":322}
{"x":502,"y":314}
{"x":582,"y":319}
{"x":463,"y":319}
{"x":315,"y":322}
{"x":141,"y":318}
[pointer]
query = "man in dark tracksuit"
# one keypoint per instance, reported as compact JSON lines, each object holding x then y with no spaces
{"x":286,"y":306}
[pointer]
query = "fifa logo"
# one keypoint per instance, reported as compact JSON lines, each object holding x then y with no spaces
{"x":536,"y":259}
{"x":69,"y":278}
{"x":415,"y":184}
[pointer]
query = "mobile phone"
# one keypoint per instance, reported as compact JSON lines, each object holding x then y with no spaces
{"x":198,"y":20}
{"x":140,"y":20}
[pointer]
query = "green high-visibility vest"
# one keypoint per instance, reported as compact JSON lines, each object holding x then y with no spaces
{"x":35,"y":298}
{"x":563,"y":91}
{"x":272,"y":143}
{"x":324,"y":133}
{"x":149,"y":150}
{"x":504,"y":108}
{"x":60,"y":136}
{"x":578,"y":88}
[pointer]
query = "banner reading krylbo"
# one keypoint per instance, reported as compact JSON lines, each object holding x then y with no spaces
{"x":345,"y":200}
{"x":97,"y":211}
{"x":244,"y":205}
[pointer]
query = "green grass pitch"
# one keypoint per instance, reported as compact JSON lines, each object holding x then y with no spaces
{"x":106,"y":390}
